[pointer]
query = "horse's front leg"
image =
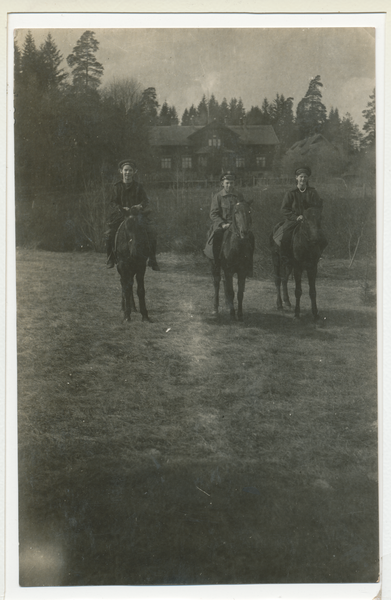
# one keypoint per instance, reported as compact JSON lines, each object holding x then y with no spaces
{"x":229,"y":292}
{"x":311,"y":273}
{"x":127,"y":293}
{"x":241,"y":286}
{"x":216,"y":276}
{"x":140,"y":274}
{"x":298,"y":291}
{"x":285,"y":273}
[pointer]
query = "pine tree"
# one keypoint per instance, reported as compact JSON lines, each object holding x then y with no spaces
{"x":185,"y":118}
{"x":52,"y":75}
{"x":223,"y":111}
{"x":370,"y":123}
{"x":164,"y":115}
{"x":149,"y":106}
{"x":311,"y":112}
{"x":202,"y":112}
{"x":255,"y":116}
{"x":351,"y":137}
{"x":86,"y":70}
{"x":332,"y":127}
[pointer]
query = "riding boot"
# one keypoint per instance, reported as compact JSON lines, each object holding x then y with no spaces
{"x":217,"y":243}
{"x":285,"y":250}
{"x":110,"y":254}
{"x":152,"y":262}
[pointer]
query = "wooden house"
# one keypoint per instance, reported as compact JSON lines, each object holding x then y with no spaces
{"x":207,"y":151}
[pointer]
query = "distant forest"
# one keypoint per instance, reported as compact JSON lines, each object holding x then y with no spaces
{"x":70,"y":131}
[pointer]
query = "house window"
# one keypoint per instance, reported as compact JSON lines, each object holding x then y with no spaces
{"x":214,"y":141}
{"x":261,"y":162}
{"x":186,"y":162}
{"x":239,"y":162}
{"x":166,"y":163}
{"x":202,"y":161}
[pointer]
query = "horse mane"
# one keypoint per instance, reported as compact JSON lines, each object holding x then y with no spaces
{"x":131,"y":237}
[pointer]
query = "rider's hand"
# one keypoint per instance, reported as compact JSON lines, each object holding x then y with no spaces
{"x":225,"y":226}
{"x":299,"y":218}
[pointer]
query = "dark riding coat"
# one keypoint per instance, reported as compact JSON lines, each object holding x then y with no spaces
{"x":222,"y":207}
{"x":296,"y":202}
{"x":124,"y":195}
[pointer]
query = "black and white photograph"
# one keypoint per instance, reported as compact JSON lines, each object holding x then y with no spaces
{"x":196,"y":218}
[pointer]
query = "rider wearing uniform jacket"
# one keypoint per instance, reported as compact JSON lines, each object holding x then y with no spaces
{"x":221,"y":212}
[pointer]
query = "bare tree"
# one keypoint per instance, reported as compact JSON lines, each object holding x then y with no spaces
{"x":125,"y":91}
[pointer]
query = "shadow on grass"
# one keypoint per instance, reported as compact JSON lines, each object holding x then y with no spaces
{"x":284,"y":321}
{"x":198,"y":524}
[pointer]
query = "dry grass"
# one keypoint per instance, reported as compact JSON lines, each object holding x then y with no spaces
{"x":190,"y":450}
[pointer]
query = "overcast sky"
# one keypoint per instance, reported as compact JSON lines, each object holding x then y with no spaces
{"x":184,"y":64}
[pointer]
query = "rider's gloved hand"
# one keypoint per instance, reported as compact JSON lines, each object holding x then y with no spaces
{"x":225,"y":226}
{"x":299,"y":218}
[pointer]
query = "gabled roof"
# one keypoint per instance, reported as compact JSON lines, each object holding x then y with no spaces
{"x":171,"y":135}
{"x":311,"y":143}
{"x":255,"y":134}
{"x":181,"y":135}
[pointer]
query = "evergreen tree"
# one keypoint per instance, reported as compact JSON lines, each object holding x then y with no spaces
{"x":370,"y":122}
{"x":351,"y":137}
{"x":86,"y":70}
{"x":223,"y":111}
{"x":173,"y":115}
{"x":52,"y":76}
{"x":185,"y":118}
{"x":192,"y":115}
{"x":164,"y":115}
{"x":202,"y":112}
{"x":311,"y":112}
{"x":332,"y":127}
{"x":213,"y":109}
{"x":255,"y":116}
{"x":265,"y":108}
{"x":149,"y":106}
{"x":282,"y":119}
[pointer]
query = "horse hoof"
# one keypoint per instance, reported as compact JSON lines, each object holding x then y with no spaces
{"x":146,"y":319}
{"x":240,"y":318}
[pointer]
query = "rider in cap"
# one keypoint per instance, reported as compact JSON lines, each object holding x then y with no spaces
{"x":294,"y":204}
{"x":127,"y":193}
{"x":221,"y":212}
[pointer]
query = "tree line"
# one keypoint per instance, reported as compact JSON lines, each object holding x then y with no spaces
{"x":70,"y":131}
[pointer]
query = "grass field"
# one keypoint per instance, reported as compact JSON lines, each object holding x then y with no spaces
{"x":192,"y":450}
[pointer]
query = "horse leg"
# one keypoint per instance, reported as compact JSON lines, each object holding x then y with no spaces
{"x":241,"y":286}
{"x":298,"y":291}
{"x":216,"y":276}
{"x":141,"y":294}
{"x":286,"y":271}
{"x":311,"y":273}
{"x":277,"y":278}
{"x":229,"y":293}
{"x":132,"y":302}
{"x":127,"y":292}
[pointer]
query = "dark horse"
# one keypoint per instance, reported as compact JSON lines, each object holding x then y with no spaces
{"x":235,"y":257}
{"x":132,"y":251}
{"x":307,"y":244}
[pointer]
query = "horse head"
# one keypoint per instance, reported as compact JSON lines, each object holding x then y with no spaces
{"x":311,"y":225}
{"x":135,"y":230}
{"x":241,"y":221}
